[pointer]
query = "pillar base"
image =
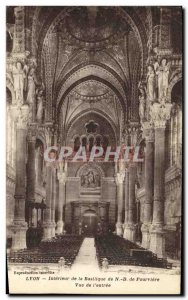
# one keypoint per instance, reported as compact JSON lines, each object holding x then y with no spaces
{"x":34,"y":217}
{"x":19,"y":235}
{"x":130,"y":232}
{"x":119,"y":229}
{"x":146,"y":235}
{"x":60,"y":227}
{"x":47,"y":231}
{"x":53,"y":229}
{"x":125,"y":226}
{"x":157,"y":240}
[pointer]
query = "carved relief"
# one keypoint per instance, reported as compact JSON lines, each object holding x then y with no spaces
{"x":90,"y":179}
{"x":160,"y":114}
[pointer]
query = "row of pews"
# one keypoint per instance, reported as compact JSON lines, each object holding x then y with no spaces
{"x":49,"y":251}
{"x":119,"y":251}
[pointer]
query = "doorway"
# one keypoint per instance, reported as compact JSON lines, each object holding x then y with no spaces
{"x":89,"y":223}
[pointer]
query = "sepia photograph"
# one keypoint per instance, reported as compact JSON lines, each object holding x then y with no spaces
{"x":94,"y":150}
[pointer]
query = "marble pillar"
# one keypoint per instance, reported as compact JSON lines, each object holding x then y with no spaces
{"x":126,"y":197}
{"x":47,"y":224}
{"x":53,"y":202}
{"x":131,"y":227}
{"x":31,"y":175}
{"x":61,"y":201}
{"x":160,"y":114}
{"x":148,"y":183}
{"x":120,"y":188}
{"x":20,"y":114}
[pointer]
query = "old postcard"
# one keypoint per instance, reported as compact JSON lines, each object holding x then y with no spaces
{"x":94,"y":149}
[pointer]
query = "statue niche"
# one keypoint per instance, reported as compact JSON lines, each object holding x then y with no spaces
{"x":90,"y":179}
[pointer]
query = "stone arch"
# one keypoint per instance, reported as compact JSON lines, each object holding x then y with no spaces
{"x":84,"y":113}
{"x":41,"y":136}
{"x":150,"y":20}
{"x":10,"y":86}
{"x":175,"y":78}
{"x":124,"y":112}
{"x":48,"y":27}
{"x":111,"y":64}
{"x":120,"y":100}
{"x":128,"y":14}
{"x":140,"y":138}
{"x":94,"y":72}
{"x":134,"y":21}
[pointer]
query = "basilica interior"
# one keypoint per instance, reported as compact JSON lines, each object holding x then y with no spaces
{"x":94,"y":76}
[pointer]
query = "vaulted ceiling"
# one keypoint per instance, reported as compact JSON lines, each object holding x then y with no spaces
{"x":89,"y":46}
{"x":90,"y":59}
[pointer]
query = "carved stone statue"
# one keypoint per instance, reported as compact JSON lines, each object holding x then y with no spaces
{"x":86,"y":181}
{"x":142,"y":106}
{"x":151,"y":84}
{"x":18,"y":81}
{"x":97,"y":180}
{"x":163,"y":74}
{"x":31,"y":87}
{"x":40,"y":106}
{"x":91,"y":178}
{"x":142,"y":102}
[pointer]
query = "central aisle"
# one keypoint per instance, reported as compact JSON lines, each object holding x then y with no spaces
{"x":86,"y":256}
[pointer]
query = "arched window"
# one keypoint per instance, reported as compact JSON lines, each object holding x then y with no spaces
{"x":91,"y":142}
{"x":39,"y":162}
{"x":98,"y":141}
{"x":105,"y":142}
{"x":76,"y":143}
{"x":84,"y":141}
{"x":175,"y":124}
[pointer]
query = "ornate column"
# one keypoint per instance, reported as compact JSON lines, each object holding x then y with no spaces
{"x":19,"y":30}
{"x":62,"y":176}
{"x":131,"y":227}
{"x":119,"y":181}
{"x":148,"y":132}
{"x":53,"y":201}
{"x":47,"y":224}
{"x":31,"y":175}
{"x":20,"y":116}
{"x":159,"y":114}
{"x":126,"y":201}
{"x":47,"y":215}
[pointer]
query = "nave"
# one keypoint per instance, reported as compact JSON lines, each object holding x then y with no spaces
{"x":70,"y":251}
{"x":89,"y":77}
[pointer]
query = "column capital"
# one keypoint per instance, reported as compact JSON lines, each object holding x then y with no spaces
{"x":62,"y":177}
{"x":20,"y":115}
{"x":32,"y":133}
{"x":49,"y":131}
{"x":132,"y":165}
{"x":148,"y":131}
{"x":160,"y":113}
{"x":131,"y":129}
{"x":120,"y":178}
